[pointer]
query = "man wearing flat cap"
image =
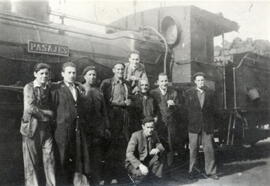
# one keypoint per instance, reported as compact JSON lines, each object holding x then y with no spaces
{"x":144,"y":152}
{"x":200,"y":104}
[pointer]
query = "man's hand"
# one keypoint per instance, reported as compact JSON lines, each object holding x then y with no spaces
{"x":127,"y":102}
{"x":170,"y":103}
{"x":154,"y":151}
{"x":136,"y":90}
{"x":143,"y":169}
{"x":134,"y":78}
{"x":48,"y":113}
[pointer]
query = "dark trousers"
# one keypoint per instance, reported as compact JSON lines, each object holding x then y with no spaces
{"x":208,"y":148}
{"x":97,"y":157}
{"x":120,"y":135}
{"x":155,"y":165}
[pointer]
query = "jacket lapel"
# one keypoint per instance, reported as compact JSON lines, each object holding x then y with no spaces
{"x":144,"y":142}
{"x":196,"y":98}
{"x":68,"y":92}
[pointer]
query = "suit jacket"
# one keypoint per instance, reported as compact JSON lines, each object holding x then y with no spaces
{"x":200,"y":118}
{"x":70,"y":131}
{"x":137,"y":150}
{"x":66,"y":109}
{"x":167,"y":114}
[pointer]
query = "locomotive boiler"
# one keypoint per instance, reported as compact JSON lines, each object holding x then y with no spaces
{"x":175,"y":40}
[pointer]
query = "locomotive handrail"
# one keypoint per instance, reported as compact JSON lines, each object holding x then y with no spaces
{"x":63,"y":15}
{"x":64,"y":28}
{"x":11,"y":87}
{"x":165,"y":43}
{"x":241,"y":61}
{"x":234,"y":80}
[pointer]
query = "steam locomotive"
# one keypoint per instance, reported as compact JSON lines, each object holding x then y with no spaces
{"x":175,"y":40}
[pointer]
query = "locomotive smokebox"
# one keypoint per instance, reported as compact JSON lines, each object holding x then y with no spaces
{"x":34,"y":9}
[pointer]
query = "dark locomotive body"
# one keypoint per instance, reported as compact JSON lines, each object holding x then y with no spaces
{"x":241,"y":84}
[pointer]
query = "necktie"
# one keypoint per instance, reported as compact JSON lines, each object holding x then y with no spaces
{"x":73,"y":91}
{"x":149,"y":144}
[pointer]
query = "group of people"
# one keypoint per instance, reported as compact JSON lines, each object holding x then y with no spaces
{"x":85,"y":134}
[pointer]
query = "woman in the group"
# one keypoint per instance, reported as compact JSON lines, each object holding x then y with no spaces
{"x":97,"y":122}
{"x":36,"y":128}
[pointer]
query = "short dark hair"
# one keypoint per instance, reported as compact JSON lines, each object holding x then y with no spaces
{"x":40,"y":66}
{"x":147,"y":120}
{"x":68,"y":64}
{"x":134,"y":52}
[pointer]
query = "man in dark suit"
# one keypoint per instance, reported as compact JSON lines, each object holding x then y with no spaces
{"x":144,"y":152}
{"x":116,"y":92}
{"x":72,"y":152}
{"x":167,"y":100}
{"x":200,"y":104}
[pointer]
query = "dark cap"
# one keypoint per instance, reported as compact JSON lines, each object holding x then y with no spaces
{"x":88,"y":68}
{"x":148,"y":119}
{"x":40,"y":66}
{"x":198,"y":74}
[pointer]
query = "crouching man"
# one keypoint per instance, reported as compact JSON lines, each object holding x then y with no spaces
{"x":144,"y":153}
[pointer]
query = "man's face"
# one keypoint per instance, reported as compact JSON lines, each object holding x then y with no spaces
{"x":69,"y":74}
{"x":148,"y":128}
{"x":90,"y":77}
{"x":163,"y":82}
{"x":42,"y":76}
{"x":118,"y":71}
{"x":134,"y":60}
{"x":144,"y":85}
{"x":199,"y":81}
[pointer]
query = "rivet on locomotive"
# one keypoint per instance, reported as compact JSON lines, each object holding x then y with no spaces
{"x":183,"y":36}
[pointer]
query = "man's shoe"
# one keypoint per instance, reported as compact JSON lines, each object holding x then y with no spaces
{"x":114,"y":181}
{"x":192,"y":176}
{"x":214,"y":177}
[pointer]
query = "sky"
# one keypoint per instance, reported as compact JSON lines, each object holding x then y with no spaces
{"x":252,"y":16}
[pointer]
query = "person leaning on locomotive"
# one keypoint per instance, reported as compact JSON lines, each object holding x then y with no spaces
{"x":134,"y":71}
{"x":201,"y":107}
{"x":36,"y":127}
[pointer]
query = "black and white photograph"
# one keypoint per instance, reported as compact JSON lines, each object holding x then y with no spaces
{"x":134,"y":92}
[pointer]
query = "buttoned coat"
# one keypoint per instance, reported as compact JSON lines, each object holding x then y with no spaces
{"x":137,"y":149}
{"x":167,"y":114}
{"x":69,"y":131}
{"x":200,"y":118}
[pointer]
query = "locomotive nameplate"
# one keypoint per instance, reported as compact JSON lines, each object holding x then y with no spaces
{"x":46,"y":48}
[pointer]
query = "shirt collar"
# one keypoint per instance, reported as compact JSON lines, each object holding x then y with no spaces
{"x":116,"y":80}
{"x":36,"y":84}
{"x":200,"y":90}
{"x":163,"y":92}
{"x":69,"y":84}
